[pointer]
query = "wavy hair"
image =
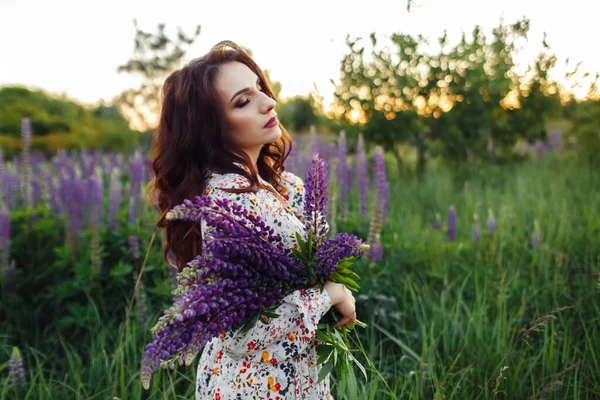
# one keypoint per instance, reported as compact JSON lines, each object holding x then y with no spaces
{"x":190,"y":140}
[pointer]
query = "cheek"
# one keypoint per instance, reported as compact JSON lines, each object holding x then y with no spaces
{"x":238,"y":126}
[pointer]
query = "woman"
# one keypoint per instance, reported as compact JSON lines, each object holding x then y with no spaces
{"x":219,"y":135}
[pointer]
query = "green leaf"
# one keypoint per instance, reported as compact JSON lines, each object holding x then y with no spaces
{"x":352,"y":385}
{"x":350,"y":284}
{"x":301,"y":243}
{"x":121,"y":269}
{"x":322,"y":337}
{"x":325,"y":370}
{"x":250,"y":323}
{"x":324,"y":351}
{"x":270,"y":314}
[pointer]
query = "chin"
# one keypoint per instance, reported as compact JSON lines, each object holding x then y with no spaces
{"x":276,"y":134}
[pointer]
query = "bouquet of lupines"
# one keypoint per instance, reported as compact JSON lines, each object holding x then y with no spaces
{"x":243,"y":273}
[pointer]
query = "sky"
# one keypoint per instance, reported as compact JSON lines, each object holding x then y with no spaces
{"x":75,"y":47}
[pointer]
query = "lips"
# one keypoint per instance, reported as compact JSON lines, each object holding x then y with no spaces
{"x":272,"y":122}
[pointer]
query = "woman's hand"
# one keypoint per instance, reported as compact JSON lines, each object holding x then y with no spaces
{"x":343,"y":300}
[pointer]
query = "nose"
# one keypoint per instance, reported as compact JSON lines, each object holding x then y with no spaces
{"x":268,"y":104}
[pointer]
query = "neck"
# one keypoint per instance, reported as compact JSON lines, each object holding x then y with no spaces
{"x":253,"y":155}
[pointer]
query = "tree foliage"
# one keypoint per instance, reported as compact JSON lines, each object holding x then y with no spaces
{"x":60,"y":123}
{"x":464,"y":102}
{"x":155,"y":56}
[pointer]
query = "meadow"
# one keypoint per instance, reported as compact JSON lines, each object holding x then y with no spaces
{"x":514,"y":314}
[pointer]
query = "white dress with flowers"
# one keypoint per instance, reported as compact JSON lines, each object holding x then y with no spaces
{"x":278,"y":360}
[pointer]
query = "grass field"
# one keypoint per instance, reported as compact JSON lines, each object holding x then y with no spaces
{"x":500,"y":319}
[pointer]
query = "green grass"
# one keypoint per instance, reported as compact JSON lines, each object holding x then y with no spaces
{"x":443,"y":318}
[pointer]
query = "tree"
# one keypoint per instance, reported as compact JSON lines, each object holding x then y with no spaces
{"x":454,"y":102}
{"x":60,"y":123}
{"x":155,"y":57}
{"x":297,"y":113}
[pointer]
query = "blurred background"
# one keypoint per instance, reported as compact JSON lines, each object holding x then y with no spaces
{"x":463,"y":142}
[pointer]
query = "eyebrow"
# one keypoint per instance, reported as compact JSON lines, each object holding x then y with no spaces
{"x":242,"y":90}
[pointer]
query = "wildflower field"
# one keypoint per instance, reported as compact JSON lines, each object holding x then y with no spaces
{"x":482,"y":282}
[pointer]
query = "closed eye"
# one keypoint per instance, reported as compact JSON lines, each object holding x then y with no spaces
{"x":247,"y":99}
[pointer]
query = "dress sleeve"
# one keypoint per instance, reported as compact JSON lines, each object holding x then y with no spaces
{"x":286,"y":336}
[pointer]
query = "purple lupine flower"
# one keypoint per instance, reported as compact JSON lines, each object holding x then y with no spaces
{"x":376,"y":251}
{"x":381,"y":183}
{"x":315,"y":198}
{"x":26,"y":131}
{"x":76,"y":210}
{"x":475,"y":229}
{"x":491,"y":223}
{"x":65,"y":187}
{"x":451,"y":224}
{"x":536,"y":236}
{"x":4,"y":238}
{"x":1,"y":172}
{"x":95,"y":197}
{"x":127,"y":191}
{"x":88,"y":164}
{"x":132,"y":215}
{"x":437,"y":224}
{"x":314,"y":144}
{"x":134,"y":246}
{"x":36,"y":192}
{"x":114,"y":200}
{"x":26,"y":166}
{"x":291,"y":162}
{"x":244,"y":266}
{"x":343,"y":174}
{"x":374,"y":238}
{"x":173,"y":277}
{"x":11,"y":181}
{"x":140,"y":299}
{"x":16,"y":370}
{"x":333,"y":250}
{"x":362,"y":177}
{"x":53,"y":195}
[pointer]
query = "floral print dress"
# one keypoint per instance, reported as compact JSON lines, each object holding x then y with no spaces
{"x":278,"y":360}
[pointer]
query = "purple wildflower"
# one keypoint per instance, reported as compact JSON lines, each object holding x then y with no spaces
{"x":132,"y":216}
{"x":376,"y":251}
{"x":1,"y":172}
{"x":437,"y":224}
{"x":53,"y":194}
{"x":451,"y":224}
{"x":343,"y":173}
{"x":381,"y":184}
{"x":336,"y":249}
{"x":491,"y":223}
{"x":16,"y":370}
{"x":134,"y":246}
{"x":315,"y":203}
{"x":4,"y":238}
{"x":140,"y":299}
{"x":244,"y":266}
{"x":137,"y":176}
{"x":291,"y":162}
{"x":76,"y":211}
{"x":362,"y":177}
{"x":114,"y":200}
{"x":11,"y":181}
{"x":95,"y":195}
{"x":26,"y":166}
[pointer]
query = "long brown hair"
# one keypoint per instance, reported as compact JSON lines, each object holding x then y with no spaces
{"x":189,"y":141}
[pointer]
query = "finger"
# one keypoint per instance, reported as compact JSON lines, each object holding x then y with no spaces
{"x":341,"y":322}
